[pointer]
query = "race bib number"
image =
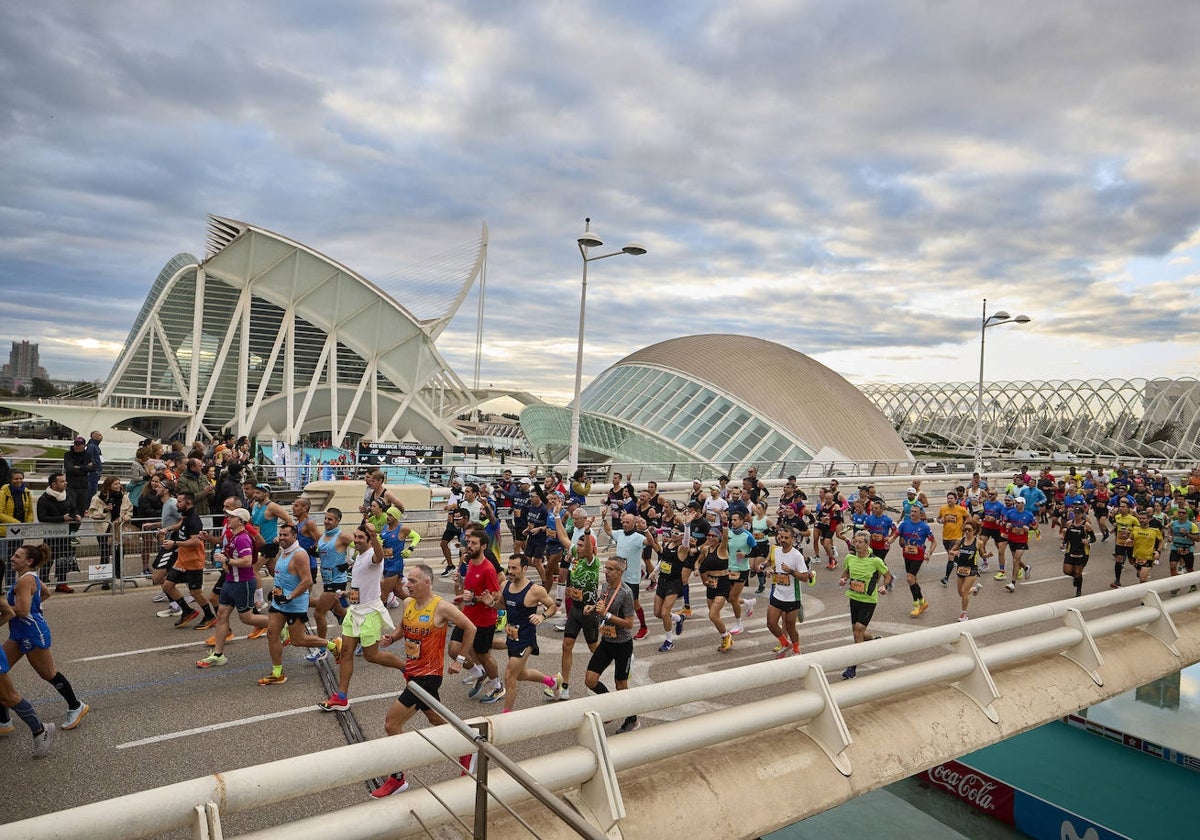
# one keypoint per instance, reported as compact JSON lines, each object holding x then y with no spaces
{"x":965,"y":571}
{"x":575,"y":593}
{"x":911,"y":550}
{"x":412,"y":648}
{"x":513,"y":631}
{"x":782,"y":580}
{"x":664,"y":568}
{"x":608,"y":631}
{"x":859,"y":586}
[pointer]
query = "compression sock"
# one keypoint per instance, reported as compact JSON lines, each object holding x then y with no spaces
{"x":600,"y":688}
{"x":63,"y":686}
{"x":1117,"y":569}
{"x":916,"y":592}
{"x":184,"y":609}
{"x":949,"y":568}
{"x":641,"y":617}
{"x":687,"y":600}
{"x":4,"y":718}
{"x":208,"y":613}
{"x":26,"y":713}
{"x":1078,"y":584}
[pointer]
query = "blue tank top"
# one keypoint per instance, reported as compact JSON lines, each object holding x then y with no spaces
{"x":390,"y":538}
{"x":518,"y":613}
{"x":286,"y":581}
{"x":333,"y":562}
{"x":269,"y":528}
{"x":34,"y":625}
{"x":307,"y":543}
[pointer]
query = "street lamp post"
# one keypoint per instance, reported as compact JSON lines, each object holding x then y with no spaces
{"x":587,"y":240}
{"x":996,"y":320}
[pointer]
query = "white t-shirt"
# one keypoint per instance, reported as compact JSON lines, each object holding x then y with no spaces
{"x":787,"y":590}
{"x":713,"y":508}
{"x":367,"y":577}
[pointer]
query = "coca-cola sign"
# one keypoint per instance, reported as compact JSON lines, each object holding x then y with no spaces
{"x":989,"y":795}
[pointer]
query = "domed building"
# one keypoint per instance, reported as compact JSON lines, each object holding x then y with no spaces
{"x":719,"y":401}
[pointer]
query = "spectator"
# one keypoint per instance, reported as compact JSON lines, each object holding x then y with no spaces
{"x":53,"y":507}
{"x":94,"y":455}
{"x":16,"y":505}
{"x":77,"y":466}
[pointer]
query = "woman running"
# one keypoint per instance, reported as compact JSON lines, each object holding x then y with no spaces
{"x":29,"y":634}
{"x":966,"y":553}
{"x":671,"y":556}
{"x":43,"y":733}
{"x":713,"y":564}
{"x":1077,"y":537}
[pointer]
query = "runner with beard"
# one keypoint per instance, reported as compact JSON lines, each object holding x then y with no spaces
{"x":481,"y":597}
{"x":583,"y":588}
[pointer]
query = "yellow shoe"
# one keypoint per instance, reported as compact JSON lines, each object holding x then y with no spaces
{"x":916,"y":610}
{"x":922,"y":606}
{"x":271,"y":679}
{"x":726,"y":644}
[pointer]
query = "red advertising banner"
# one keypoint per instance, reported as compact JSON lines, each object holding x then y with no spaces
{"x":979,"y":790}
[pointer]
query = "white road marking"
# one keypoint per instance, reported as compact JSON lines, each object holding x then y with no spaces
{"x":144,"y":650}
{"x":213,"y":727}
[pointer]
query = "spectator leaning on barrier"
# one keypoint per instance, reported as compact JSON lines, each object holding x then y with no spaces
{"x":53,"y":507}
{"x":16,"y":506}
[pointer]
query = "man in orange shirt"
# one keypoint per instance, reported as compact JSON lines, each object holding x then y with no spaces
{"x":953,"y":516}
{"x":424,"y":632}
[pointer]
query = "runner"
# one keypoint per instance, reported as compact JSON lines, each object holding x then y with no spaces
{"x":583,"y":588}
{"x":739,"y":542}
{"x":912,"y":534}
{"x":237,"y":592}
{"x":630,"y":540}
{"x":365,"y":618}
{"x":267,"y":516}
{"x":614,"y":609}
{"x":522,"y":597}
{"x":1147,"y":545}
{"x":289,"y":605}
{"x":43,"y":733}
{"x":29,"y":634}
{"x":881,"y":528}
{"x":966,"y":551}
{"x":861,"y":572}
{"x":1019,"y":522}
{"x":786,"y":566}
{"x":712,"y":562}
{"x":1184,"y":536}
{"x":423,"y":629}
{"x":331,"y":553}
{"x":1123,"y":522}
{"x":1077,"y":537}
{"x":952,"y":517}
{"x":188,"y":547}
{"x":481,"y":597}
{"x":991,"y":523}
{"x":671,"y":557}
{"x":398,"y":541}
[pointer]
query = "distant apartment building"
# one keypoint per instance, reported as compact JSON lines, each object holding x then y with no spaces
{"x":22,"y":366}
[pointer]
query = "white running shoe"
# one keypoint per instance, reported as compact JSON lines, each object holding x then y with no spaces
{"x":748,"y":603}
{"x":170,"y":611}
{"x":472,"y":675}
{"x":962,"y":616}
{"x":736,"y":629}
{"x":160,"y":598}
{"x":74,"y":716}
{"x":1010,"y":586}
{"x":976,"y":589}
{"x":41,"y":743}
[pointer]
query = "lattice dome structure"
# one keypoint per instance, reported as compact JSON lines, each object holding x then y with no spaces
{"x":1150,"y":418}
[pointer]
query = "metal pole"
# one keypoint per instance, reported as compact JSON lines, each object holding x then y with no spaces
{"x":979,"y":394}
{"x":539,"y":791}
{"x":481,"y":778}
{"x":575,"y":407}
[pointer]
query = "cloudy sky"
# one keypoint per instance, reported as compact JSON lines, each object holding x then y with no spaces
{"x":847,"y":178}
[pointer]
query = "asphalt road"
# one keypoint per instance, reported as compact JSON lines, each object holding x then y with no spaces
{"x":156,"y":719}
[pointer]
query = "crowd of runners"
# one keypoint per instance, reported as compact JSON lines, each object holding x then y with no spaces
{"x":611,"y":564}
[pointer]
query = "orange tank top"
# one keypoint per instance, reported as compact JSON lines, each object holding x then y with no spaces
{"x":424,"y":643}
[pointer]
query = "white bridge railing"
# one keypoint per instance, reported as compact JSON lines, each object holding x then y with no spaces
{"x":593,"y":764}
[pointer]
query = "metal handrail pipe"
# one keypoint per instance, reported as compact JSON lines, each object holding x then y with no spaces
{"x":1017,"y":650}
{"x":877,"y":686}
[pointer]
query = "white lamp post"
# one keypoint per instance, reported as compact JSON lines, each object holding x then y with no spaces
{"x":996,"y":320}
{"x":587,"y":240}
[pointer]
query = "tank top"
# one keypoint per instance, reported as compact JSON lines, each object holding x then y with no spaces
{"x":424,"y":642}
{"x":966,"y":554}
{"x":307,"y":543}
{"x":333,"y":562}
{"x":287,"y":581}
{"x":268,"y":528}
{"x":518,"y":613}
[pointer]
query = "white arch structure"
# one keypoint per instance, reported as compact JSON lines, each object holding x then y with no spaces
{"x":266,"y":336}
{"x":1150,"y":418}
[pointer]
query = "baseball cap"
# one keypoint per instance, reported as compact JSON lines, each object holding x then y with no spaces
{"x":79,"y":440}
{"x":912,"y":490}
{"x":240,"y":513}
{"x":1020,"y":500}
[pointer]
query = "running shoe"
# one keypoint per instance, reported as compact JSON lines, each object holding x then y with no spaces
{"x":256,"y":633}
{"x":555,"y":691}
{"x":850,"y":673}
{"x":750,"y":608}
{"x":447,"y":572}
{"x":762,"y":587}
{"x":686,"y":612}
{"x":630,"y":724}
{"x":6,"y":728}
{"x":211,"y":641}
{"x":785,"y":652}
{"x":334,"y":704}
{"x":42,"y":741}
{"x":1021,"y":573}
{"x":812,"y":577}
{"x":475,"y":689}
{"x":678,"y":625}
{"x":187,"y":618}
{"x":560,"y":626}
{"x":1028,"y":573}
{"x":472,"y":674}
{"x":393,"y":601}
{"x":983,"y":566}
{"x":160,"y":598}
{"x":944,"y":581}
{"x":726,"y":644}
{"x":337,"y":649}
{"x":666,"y":647}
{"x":207,"y":624}
{"x":62,"y":587}
{"x":832,"y":564}
{"x":641,"y":633}
{"x":916,"y":610}
{"x":565,"y":694}
{"x":962,"y":616}
{"x":1105,"y":537}
{"x":168,"y":612}
{"x":493,"y":696}
{"x":653,"y":583}
{"x":213,"y":659}
{"x":316,"y":656}
{"x":976,"y":589}
{"x":358,"y":651}
{"x":271,"y":679}
{"x":1114,"y":585}
{"x":392,"y":784}
{"x":999,"y":575}
{"x":922,"y":605}
{"x":75,"y":716}
{"x":779,"y":646}
{"x":285,"y":638}
{"x":736,"y":629}
{"x":1010,"y":586}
